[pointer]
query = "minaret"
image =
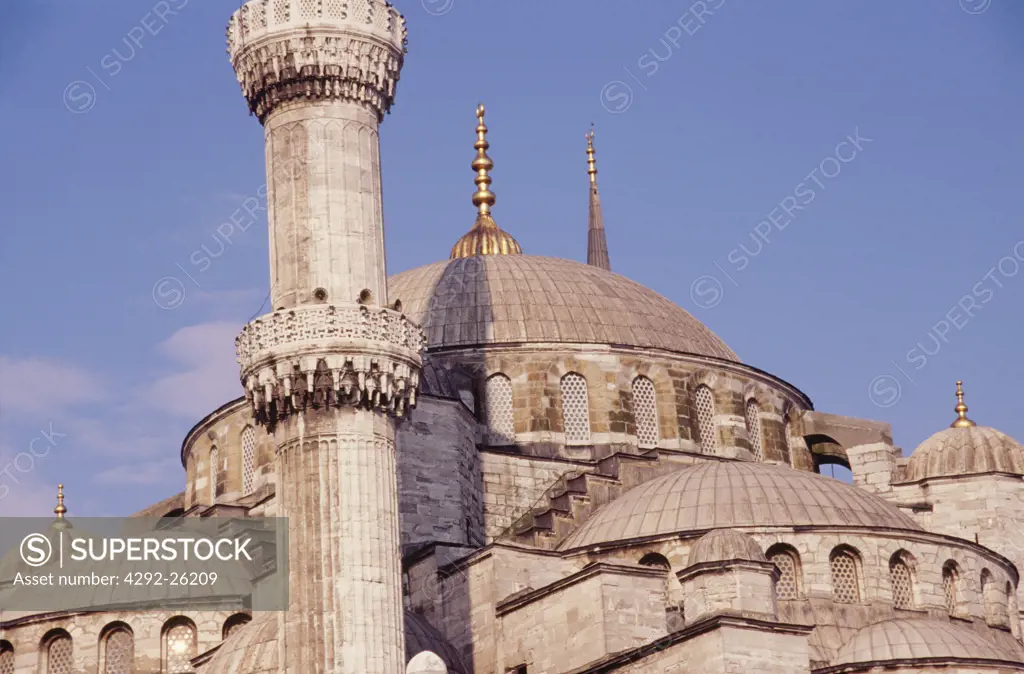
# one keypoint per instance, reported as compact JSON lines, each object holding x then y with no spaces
{"x":597,"y":246}
{"x":330,"y":370}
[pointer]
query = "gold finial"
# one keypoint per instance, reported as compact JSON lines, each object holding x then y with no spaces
{"x":484,"y":197}
{"x":485,"y":237}
{"x":591,"y":161}
{"x":60,"y":509}
{"x":961,"y":409}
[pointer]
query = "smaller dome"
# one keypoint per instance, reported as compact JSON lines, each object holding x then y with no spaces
{"x":917,"y":638}
{"x":721,"y":545}
{"x":966,"y":451}
{"x":485,"y":238}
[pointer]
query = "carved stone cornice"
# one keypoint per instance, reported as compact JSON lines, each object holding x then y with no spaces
{"x":320,"y":356}
{"x":284,"y":50}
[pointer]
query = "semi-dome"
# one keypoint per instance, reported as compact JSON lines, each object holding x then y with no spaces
{"x":965,"y":449}
{"x":253,"y":648}
{"x":920,"y":638}
{"x":500,"y":299}
{"x":714,"y":495}
{"x":723,"y":545}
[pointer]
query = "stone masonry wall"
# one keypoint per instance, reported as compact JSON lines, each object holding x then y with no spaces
{"x":439,"y":479}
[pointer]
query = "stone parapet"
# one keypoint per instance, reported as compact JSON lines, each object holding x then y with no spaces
{"x":329,"y":356}
{"x":284,"y":50}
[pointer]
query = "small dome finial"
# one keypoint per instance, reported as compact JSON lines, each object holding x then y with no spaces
{"x":485,"y":237}
{"x":961,"y":409}
{"x":61,"y":508}
{"x":591,"y":161}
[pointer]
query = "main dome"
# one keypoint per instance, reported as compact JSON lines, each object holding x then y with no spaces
{"x":501,"y":299}
{"x":715,"y":495}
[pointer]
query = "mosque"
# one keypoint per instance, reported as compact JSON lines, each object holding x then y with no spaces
{"x":503,"y":463}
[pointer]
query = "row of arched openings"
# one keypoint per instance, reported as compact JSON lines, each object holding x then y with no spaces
{"x":576,"y":414}
{"x":179,"y":645}
{"x":248,"y":442}
{"x":845,"y":567}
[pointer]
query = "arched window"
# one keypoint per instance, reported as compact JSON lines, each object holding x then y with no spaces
{"x":645,"y":412}
{"x":787,"y":561}
{"x":117,"y":649}
{"x":901,"y":581}
{"x":845,"y":564}
{"x":753,"y":419}
{"x":986,"y":595}
{"x":234,"y":622}
{"x":214,"y":466}
{"x":656,"y":560}
{"x":58,"y":650}
{"x":705,"y":404}
{"x":248,"y":459}
{"x":575,"y":409}
{"x":501,"y":427}
{"x":1011,"y":610}
{"x":179,"y":645}
{"x":6,"y":657}
{"x":786,"y":439}
{"x":951,"y":586}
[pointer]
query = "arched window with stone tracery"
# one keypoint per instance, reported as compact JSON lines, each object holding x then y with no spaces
{"x":58,"y":651}
{"x":787,"y":560}
{"x":6,"y":657}
{"x":845,"y":566}
{"x":704,"y":402}
{"x":248,"y":460}
{"x":179,"y":645}
{"x":901,"y":580}
{"x":117,"y":649}
{"x":645,"y":412}
{"x":987,"y":597}
{"x":951,"y":586}
{"x":501,"y":427}
{"x":753,"y":419}
{"x":214,"y":463}
{"x":234,"y":623}
{"x":575,"y":409}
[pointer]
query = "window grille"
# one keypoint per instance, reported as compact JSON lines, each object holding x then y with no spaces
{"x":754,"y":429}
{"x":214,"y":461}
{"x":500,"y":423}
{"x":59,"y":656}
{"x":845,"y":585}
{"x":705,"y":403}
{"x":902,"y":588}
{"x":248,"y":459}
{"x":179,"y":649}
{"x":7,"y":660}
{"x":118,"y":652}
{"x":575,"y":408}
{"x":645,"y":412}
{"x":786,"y":587}
{"x":949,"y":588}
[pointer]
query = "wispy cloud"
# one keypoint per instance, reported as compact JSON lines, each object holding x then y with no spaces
{"x":38,"y":387}
{"x":208,"y":377}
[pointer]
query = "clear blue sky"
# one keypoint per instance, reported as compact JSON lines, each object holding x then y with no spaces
{"x":742,"y":107}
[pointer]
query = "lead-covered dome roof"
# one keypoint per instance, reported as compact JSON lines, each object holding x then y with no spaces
{"x":715,"y":495}
{"x":497,"y":299}
{"x":725,"y":545}
{"x":920,"y":638}
{"x":966,"y":451}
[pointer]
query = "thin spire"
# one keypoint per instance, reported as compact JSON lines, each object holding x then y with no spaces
{"x":485,"y":237}
{"x":597,"y":245}
{"x":961,"y":409}
{"x":61,"y":508}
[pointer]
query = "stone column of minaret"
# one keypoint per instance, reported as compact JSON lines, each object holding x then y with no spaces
{"x":330,"y":370}
{"x":597,"y":246}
